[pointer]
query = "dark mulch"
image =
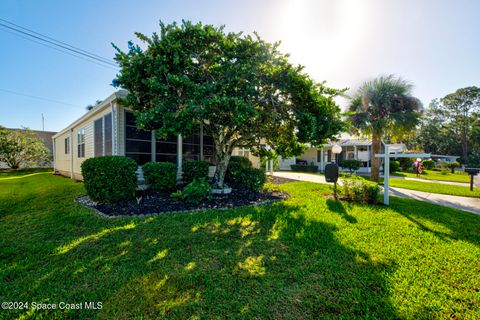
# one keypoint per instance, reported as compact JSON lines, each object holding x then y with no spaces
{"x":153,"y":202}
{"x":279,"y":180}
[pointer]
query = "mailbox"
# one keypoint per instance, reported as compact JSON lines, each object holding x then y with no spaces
{"x":331,"y":172}
{"x":472,"y":172}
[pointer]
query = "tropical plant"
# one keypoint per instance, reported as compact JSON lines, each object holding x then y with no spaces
{"x":381,"y":108}
{"x":241,"y":89}
{"x":22,"y":148}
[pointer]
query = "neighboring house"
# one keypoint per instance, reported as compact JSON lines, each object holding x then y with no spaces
{"x":45,"y":136}
{"x":109,"y":129}
{"x":352,"y":149}
{"x":443,"y":158}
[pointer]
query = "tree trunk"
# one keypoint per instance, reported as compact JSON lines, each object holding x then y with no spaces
{"x":222,"y":155}
{"x":464,"y":145}
{"x":375,"y":175}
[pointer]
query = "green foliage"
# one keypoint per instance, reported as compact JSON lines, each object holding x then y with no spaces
{"x":194,"y":192}
{"x":303,"y":168}
{"x":242,"y":89}
{"x":428,"y":164}
{"x":357,"y":189}
{"x":194,"y":170}
{"x":406,"y":163}
{"x":352,"y":165}
{"x":240,"y":175}
{"x":453,"y":165}
{"x":394,"y":166}
{"x":160,"y":175}
{"x":110,"y":179}
{"x":22,"y":148}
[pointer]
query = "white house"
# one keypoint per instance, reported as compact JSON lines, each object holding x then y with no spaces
{"x":109,"y":129}
{"x":352,"y":149}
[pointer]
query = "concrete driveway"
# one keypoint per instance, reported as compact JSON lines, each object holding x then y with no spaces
{"x":462,"y":203}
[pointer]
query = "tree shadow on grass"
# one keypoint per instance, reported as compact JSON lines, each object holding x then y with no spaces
{"x":338,"y":207}
{"x":274,"y":261}
{"x":443,"y":222}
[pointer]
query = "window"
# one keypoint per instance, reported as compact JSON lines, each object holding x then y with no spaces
{"x":103,"y":136}
{"x":98,"y":137}
{"x":191,"y":147}
{"x":67,"y":145}
{"x":81,"y":143}
{"x":166,"y":149}
{"x":329,"y":155}
{"x":319,"y":155}
{"x":244,"y":152}
{"x":138,"y":143}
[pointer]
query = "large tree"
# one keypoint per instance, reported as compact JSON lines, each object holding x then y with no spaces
{"x":241,"y":89}
{"x":461,"y":106}
{"x":383,"y":107}
{"x":22,"y":148}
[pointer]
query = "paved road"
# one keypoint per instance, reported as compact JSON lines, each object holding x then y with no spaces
{"x":462,"y":203}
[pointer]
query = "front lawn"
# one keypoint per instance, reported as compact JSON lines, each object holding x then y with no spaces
{"x":437,"y":175}
{"x":305,"y":257}
{"x":435,"y":187}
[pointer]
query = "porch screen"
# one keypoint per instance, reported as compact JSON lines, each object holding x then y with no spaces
{"x":166,"y":149}
{"x":103,"y":136}
{"x":138,"y":143}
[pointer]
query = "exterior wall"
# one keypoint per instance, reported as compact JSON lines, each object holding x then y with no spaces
{"x":63,"y":162}
{"x":120,"y":121}
{"x":255,"y":160}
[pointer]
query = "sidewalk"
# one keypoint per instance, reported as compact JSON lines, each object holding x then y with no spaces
{"x":462,"y":203}
{"x":462,"y":184}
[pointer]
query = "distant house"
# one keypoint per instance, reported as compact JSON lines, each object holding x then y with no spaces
{"x":45,"y":136}
{"x":352,"y":149}
{"x":110,"y":129}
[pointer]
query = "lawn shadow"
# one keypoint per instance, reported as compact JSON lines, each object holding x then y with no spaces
{"x":338,"y":207}
{"x":445,"y":223}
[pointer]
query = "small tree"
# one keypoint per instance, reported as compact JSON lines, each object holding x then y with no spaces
{"x":352,"y":165}
{"x":22,"y":148}
{"x":453,"y":165}
{"x":241,"y":89}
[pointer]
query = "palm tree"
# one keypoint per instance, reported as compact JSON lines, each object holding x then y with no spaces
{"x":384,"y":107}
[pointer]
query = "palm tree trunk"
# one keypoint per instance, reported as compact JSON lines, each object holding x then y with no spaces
{"x":375,"y":175}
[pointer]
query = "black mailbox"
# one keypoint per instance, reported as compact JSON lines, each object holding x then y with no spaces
{"x":472,"y":172}
{"x":331,"y":172}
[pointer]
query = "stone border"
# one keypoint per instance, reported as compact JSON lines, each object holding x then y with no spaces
{"x":87,"y":203}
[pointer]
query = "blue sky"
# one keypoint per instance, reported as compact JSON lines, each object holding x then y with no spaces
{"x":433,"y":44}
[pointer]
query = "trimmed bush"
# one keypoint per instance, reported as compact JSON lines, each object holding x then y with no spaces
{"x":110,"y":179}
{"x":357,"y":189}
{"x":428,"y":164}
{"x":351,"y":165}
{"x":406,"y":163}
{"x":240,"y":175}
{"x":453,"y":165}
{"x":394,"y":166}
{"x":194,"y":170}
{"x":160,"y":175}
{"x":240,"y":161}
{"x":304,"y":168}
{"x":194,"y":192}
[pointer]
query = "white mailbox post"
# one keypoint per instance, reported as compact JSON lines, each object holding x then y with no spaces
{"x":386,"y":167}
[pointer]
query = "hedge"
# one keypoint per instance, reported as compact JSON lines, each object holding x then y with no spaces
{"x":240,"y":175}
{"x":304,"y":168}
{"x":160,"y":175}
{"x":110,"y":179}
{"x":194,"y":170}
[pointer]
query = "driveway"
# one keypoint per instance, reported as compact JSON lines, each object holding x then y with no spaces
{"x":462,"y":203}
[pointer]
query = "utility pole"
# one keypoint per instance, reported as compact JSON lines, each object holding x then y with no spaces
{"x":43,"y":123}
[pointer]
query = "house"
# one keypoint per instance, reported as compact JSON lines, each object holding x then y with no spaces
{"x":44,"y":136}
{"x":110,"y":129}
{"x":352,"y":149}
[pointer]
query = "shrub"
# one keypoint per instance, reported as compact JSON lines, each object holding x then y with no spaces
{"x":428,"y":164}
{"x":453,"y":165}
{"x":406,"y":163}
{"x":394,"y":166}
{"x":444,"y":172}
{"x":194,"y":170}
{"x":194,"y":192}
{"x":357,"y":189}
{"x":304,"y":168}
{"x":110,"y":179}
{"x":160,"y":175}
{"x":241,"y":161}
{"x":351,"y":165}
{"x":244,"y":178}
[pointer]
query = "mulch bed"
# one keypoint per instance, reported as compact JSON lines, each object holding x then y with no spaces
{"x":151,"y":202}
{"x":279,"y":180}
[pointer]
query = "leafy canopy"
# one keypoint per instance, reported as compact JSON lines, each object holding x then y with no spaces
{"x":239,"y":87}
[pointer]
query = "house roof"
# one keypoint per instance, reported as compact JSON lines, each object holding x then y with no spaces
{"x":349,"y":142}
{"x":101,"y":106}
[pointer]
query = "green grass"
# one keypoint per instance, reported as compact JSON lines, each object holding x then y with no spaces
{"x":8,"y":173}
{"x":306,"y":257}
{"x":437,"y":175}
{"x":435,"y":187}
